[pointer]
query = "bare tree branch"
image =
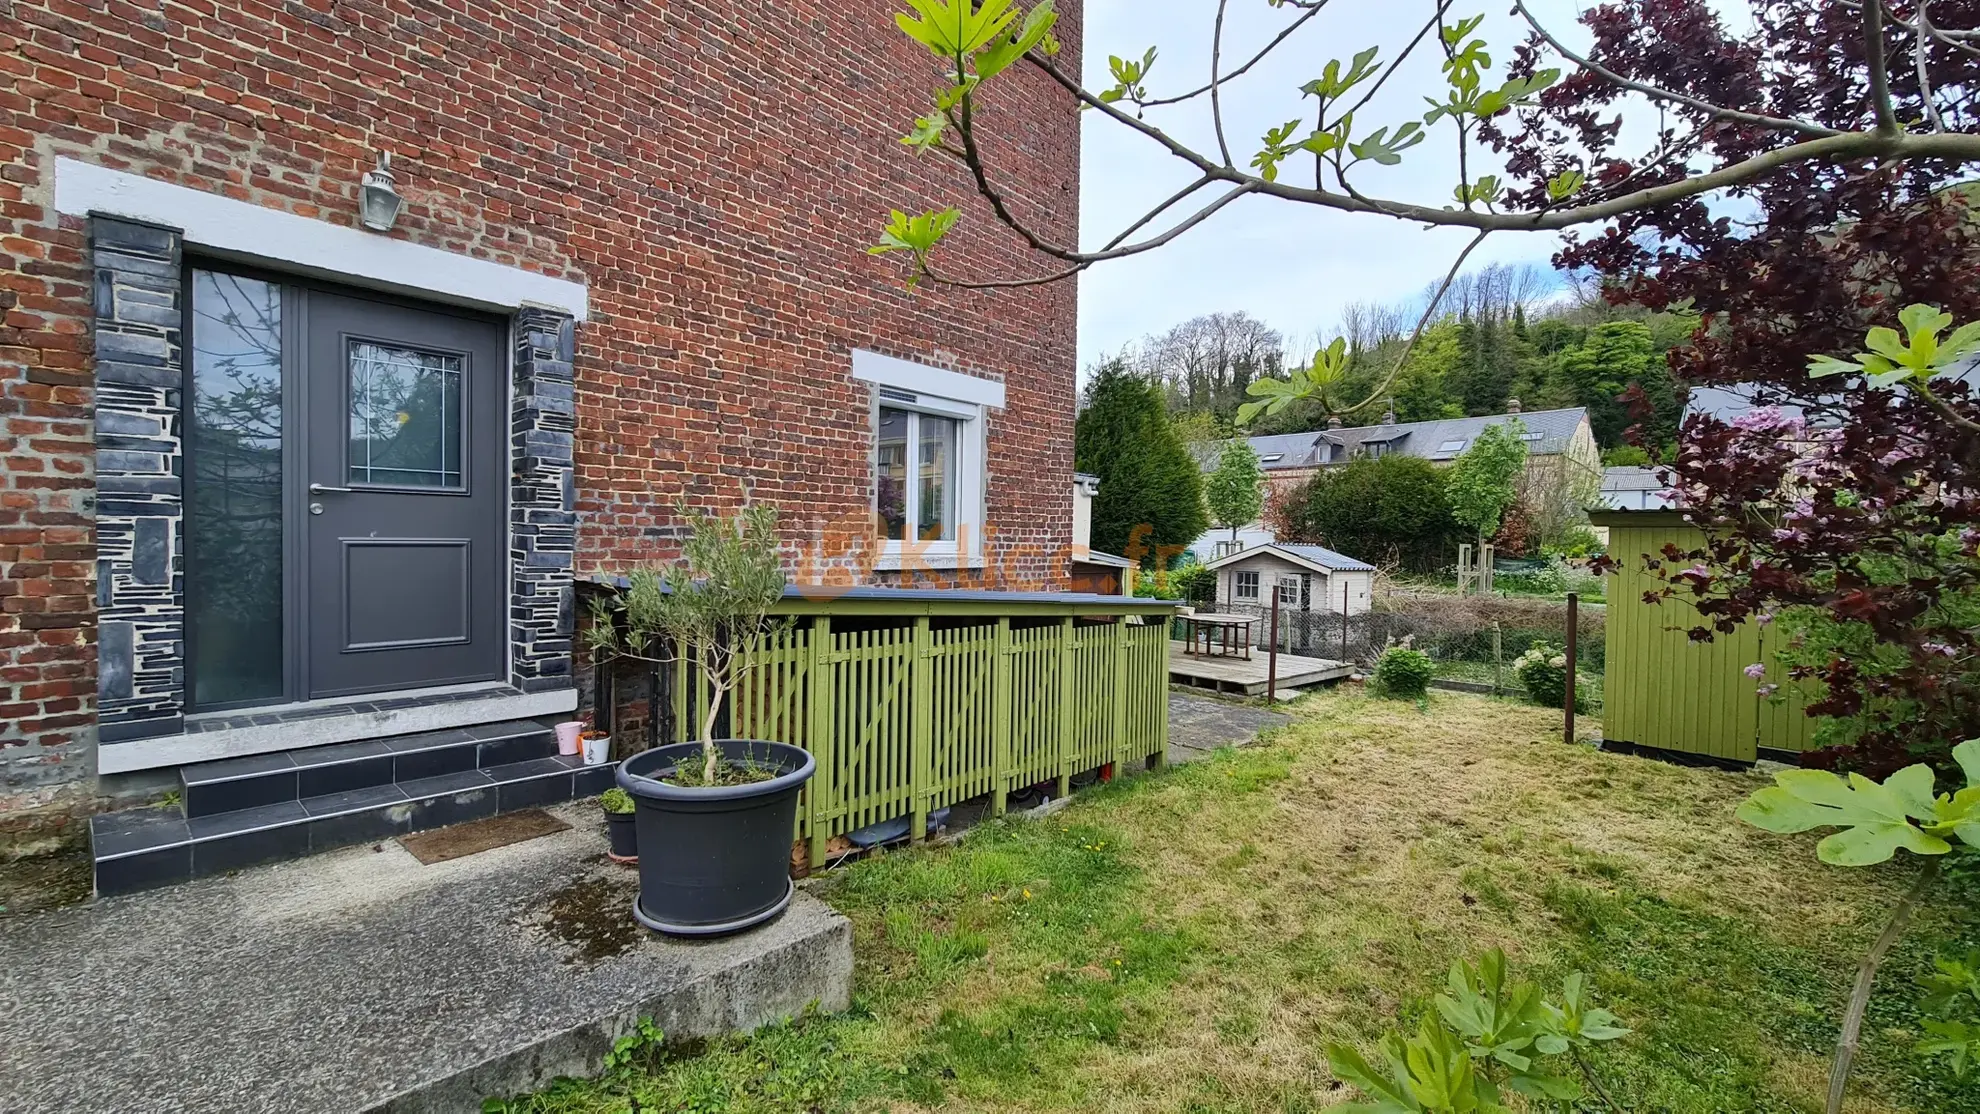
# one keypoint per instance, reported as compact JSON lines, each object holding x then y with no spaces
{"x":1082,"y":260}
{"x":1463,"y":135}
{"x":1155,"y":212}
{"x":1839,"y":147}
{"x":1436,"y":20}
{"x":1311,"y":11}
{"x":1933,"y":400}
{"x":928,"y":272}
{"x":1880,"y":78}
{"x":1216,"y":94}
{"x":1422,"y":322}
{"x":1920,"y":34}
{"x":1960,"y":39}
{"x":1866,"y":977}
{"x":1801,"y":141}
{"x":1779,"y":123}
{"x":981,"y":173}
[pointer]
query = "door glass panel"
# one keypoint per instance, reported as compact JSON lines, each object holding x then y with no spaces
{"x":891,"y":458}
{"x":405,"y":416}
{"x":938,"y":479}
{"x":234,"y":504}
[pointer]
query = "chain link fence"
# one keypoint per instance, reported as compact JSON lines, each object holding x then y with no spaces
{"x":1475,"y":641}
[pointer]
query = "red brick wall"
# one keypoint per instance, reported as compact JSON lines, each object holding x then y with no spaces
{"x":713,"y":170}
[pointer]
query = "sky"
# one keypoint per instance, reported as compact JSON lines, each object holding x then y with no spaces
{"x":1293,"y":266}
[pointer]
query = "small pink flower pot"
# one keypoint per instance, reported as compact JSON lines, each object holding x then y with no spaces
{"x":567,"y":736}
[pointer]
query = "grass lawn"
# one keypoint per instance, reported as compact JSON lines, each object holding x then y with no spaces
{"x":1189,"y":941}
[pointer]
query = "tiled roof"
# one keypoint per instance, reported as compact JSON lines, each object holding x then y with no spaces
{"x":1631,"y":478}
{"x":1318,"y":555}
{"x":1321,"y":555}
{"x":1550,"y":431}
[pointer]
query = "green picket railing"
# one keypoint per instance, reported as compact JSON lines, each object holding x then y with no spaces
{"x":906,"y":719}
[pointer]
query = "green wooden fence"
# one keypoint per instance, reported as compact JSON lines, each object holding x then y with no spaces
{"x":910,"y":718}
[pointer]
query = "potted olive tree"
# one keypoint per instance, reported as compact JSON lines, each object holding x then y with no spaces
{"x":713,"y":818}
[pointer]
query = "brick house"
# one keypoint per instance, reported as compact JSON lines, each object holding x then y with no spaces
{"x":270,"y":475}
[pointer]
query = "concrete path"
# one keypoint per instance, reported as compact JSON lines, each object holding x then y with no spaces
{"x":361,"y":980}
{"x":1201,"y":724}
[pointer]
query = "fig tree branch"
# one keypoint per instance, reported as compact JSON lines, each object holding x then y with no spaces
{"x":1216,"y":94}
{"x":1880,"y":78}
{"x":1428,"y":315}
{"x":1654,"y":92}
{"x":1311,"y":11}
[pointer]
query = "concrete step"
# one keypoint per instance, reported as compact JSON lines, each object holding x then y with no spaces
{"x":243,"y":812}
{"x":233,"y":784}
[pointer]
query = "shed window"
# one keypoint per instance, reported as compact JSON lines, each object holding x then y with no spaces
{"x":1246,"y":586}
{"x":1289,"y":591}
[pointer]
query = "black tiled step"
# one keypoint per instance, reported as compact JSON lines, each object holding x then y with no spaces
{"x":233,"y":784}
{"x":144,"y":848}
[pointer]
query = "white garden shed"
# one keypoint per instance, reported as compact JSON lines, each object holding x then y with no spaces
{"x":1306,"y":578}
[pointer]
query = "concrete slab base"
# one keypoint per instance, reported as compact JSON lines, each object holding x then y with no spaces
{"x":361,"y":980}
{"x":1201,"y":724}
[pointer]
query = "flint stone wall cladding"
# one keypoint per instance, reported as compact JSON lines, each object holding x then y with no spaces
{"x":630,"y":144}
{"x":542,"y":501}
{"x":140,"y":684}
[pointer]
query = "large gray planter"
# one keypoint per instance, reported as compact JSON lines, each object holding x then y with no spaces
{"x":714,"y":861}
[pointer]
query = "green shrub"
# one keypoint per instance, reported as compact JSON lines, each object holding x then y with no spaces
{"x":1192,"y":583}
{"x":1388,"y":509}
{"x":1542,"y":671}
{"x":1578,"y":540}
{"x":1556,"y":576}
{"x":1403,"y":673}
{"x":1195,"y":584}
{"x":1476,"y":645}
{"x":616,"y":799}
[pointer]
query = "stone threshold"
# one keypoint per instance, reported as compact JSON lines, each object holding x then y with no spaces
{"x":219,"y":735}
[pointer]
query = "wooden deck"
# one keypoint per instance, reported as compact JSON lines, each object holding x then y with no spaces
{"x":1247,"y":678}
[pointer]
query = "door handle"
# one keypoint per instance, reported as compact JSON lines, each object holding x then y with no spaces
{"x":325,"y":489}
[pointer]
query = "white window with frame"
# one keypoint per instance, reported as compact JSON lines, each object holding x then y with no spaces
{"x":1244,"y":585}
{"x":929,"y":453}
{"x":1289,"y":591}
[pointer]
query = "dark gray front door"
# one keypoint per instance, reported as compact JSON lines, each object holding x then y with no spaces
{"x":403,"y":546}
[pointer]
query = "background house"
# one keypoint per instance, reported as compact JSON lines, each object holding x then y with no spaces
{"x":1560,"y":445}
{"x":1219,"y":542}
{"x":1306,"y":578}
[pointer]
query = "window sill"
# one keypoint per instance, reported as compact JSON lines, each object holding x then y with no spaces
{"x":932,"y":562}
